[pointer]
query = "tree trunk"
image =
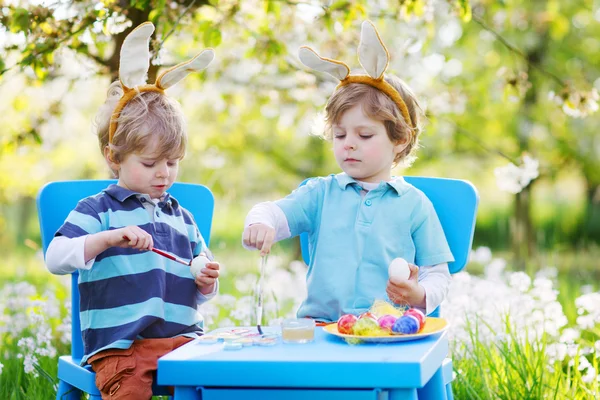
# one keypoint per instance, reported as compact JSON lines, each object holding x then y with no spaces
{"x":137,"y":17}
{"x":591,"y":221}
{"x":522,"y":232}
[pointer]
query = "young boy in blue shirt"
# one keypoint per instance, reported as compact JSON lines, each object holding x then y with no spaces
{"x":135,"y":305}
{"x":358,"y":221}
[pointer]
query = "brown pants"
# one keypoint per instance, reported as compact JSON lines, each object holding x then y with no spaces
{"x":128,"y":373}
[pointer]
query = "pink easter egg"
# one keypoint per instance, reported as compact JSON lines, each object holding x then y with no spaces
{"x":386,"y":322}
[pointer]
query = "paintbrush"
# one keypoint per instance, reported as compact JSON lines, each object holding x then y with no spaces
{"x":169,"y":256}
{"x":259,"y":303}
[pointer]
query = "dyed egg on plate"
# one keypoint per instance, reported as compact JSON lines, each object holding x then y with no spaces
{"x":346,"y":323}
{"x":406,"y":324}
{"x":418,"y":315}
{"x":368,"y":315}
{"x":386,"y":322}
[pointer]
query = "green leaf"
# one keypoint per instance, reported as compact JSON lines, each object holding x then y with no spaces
{"x":154,"y":15}
{"x":20,"y":21}
{"x":273,"y":7}
{"x":339,"y":5}
{"x":465,"y":10}
{"x":212,"y":37}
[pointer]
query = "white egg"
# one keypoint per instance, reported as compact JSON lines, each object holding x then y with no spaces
{"x":398,"y":269}
{"x":197,"y":264}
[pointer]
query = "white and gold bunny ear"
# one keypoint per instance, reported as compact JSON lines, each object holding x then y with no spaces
{"x":173,"y":75}
{"x":135,"y":56}
{"x":312,"y":60}
{"x":134,"y":65}
{"x":372,"y":54}
{"x":374,"y":58}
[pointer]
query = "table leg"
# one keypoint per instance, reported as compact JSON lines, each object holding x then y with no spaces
{"x":186,"y":393}
{"x":434,"y":389}
{"x":401,"y":394}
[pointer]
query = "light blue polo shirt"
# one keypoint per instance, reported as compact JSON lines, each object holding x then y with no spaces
{"x":353,"y":239}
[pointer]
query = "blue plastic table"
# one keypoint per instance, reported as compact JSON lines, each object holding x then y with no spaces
{"x":327,"y":368}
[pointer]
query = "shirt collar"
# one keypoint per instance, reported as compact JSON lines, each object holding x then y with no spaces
{"x":121,"y":194}
{"x":397,"y":183}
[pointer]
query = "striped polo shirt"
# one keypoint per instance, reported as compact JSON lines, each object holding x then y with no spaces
{"x":130,"y":294}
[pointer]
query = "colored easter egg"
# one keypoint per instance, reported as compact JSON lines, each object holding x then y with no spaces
{"x":386,"y":322}
{"x":418,"y":314}
{"x":406,"y":324}
{"x":398,"y":270}
{"x":365,"y":327}
{"x":197,"y":264}
{"x":346,"y":323}
{"x":368,"y":315}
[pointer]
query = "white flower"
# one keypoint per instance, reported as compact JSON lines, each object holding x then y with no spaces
{"x":520,"y":281}
{"x":590,"y":375}
{"x":29,"y":363}
{"x":569,"y":335}
{"x":513,"y":179}
{"x":1,"y":366}
{"x":481,"y":255}
{"x":556,"y":351}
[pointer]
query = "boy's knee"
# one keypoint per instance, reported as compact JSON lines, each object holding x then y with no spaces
{"x":117,"y":376}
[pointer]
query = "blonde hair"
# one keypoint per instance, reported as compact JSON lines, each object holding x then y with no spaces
{"x":148,"y":116}
{"x":377,"y":105}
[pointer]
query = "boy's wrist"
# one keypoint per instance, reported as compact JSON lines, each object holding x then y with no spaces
{"x":421,"y":298}
{"x":207,"y":289}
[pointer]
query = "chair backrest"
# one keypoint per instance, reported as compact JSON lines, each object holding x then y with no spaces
{"x":455,"y":202}
{"x":57,"y":199}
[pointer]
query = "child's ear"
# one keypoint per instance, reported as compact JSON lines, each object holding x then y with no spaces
{"x":113,"y":165}
{"x":401,"y":145}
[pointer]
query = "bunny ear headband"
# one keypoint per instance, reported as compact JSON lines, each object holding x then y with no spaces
{"x":134,"y":65}
{"x":373,"y":57}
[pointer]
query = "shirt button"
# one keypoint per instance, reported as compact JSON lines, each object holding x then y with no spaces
{"x":368,"y":202}
{"x":143,"y":200}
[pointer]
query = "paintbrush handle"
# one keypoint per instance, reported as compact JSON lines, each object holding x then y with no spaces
{"x":167,"y":255}
{"x":170,"y":257}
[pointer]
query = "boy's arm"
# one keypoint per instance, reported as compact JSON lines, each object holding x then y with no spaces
{"x":435,"y":280}
{"x":66,"y":255}
{"x":203,"y":298}
{"x":269,"y":214}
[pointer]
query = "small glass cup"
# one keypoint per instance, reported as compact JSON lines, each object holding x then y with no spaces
{"x":298,"y":330}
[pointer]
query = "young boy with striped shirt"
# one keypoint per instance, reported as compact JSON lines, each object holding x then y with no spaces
{"x":135,"y":305}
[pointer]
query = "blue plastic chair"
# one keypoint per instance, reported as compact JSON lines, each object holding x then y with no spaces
{"x":455,"y":202}
{"x":55,"y":201}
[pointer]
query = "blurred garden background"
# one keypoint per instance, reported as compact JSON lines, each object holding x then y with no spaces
{"x":510,"y":91}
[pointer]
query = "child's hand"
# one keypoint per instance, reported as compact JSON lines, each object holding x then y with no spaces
{"x":259,"y":236}
{"x":205,"y":281}
{"x":131,"y":236}
{"x":407,"y":291}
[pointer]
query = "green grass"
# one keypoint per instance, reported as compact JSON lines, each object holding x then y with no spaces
{"x":517,"y":369}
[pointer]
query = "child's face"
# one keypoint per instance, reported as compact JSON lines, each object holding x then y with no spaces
{"x":362,"y":147}
{"x":144,"y":173}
